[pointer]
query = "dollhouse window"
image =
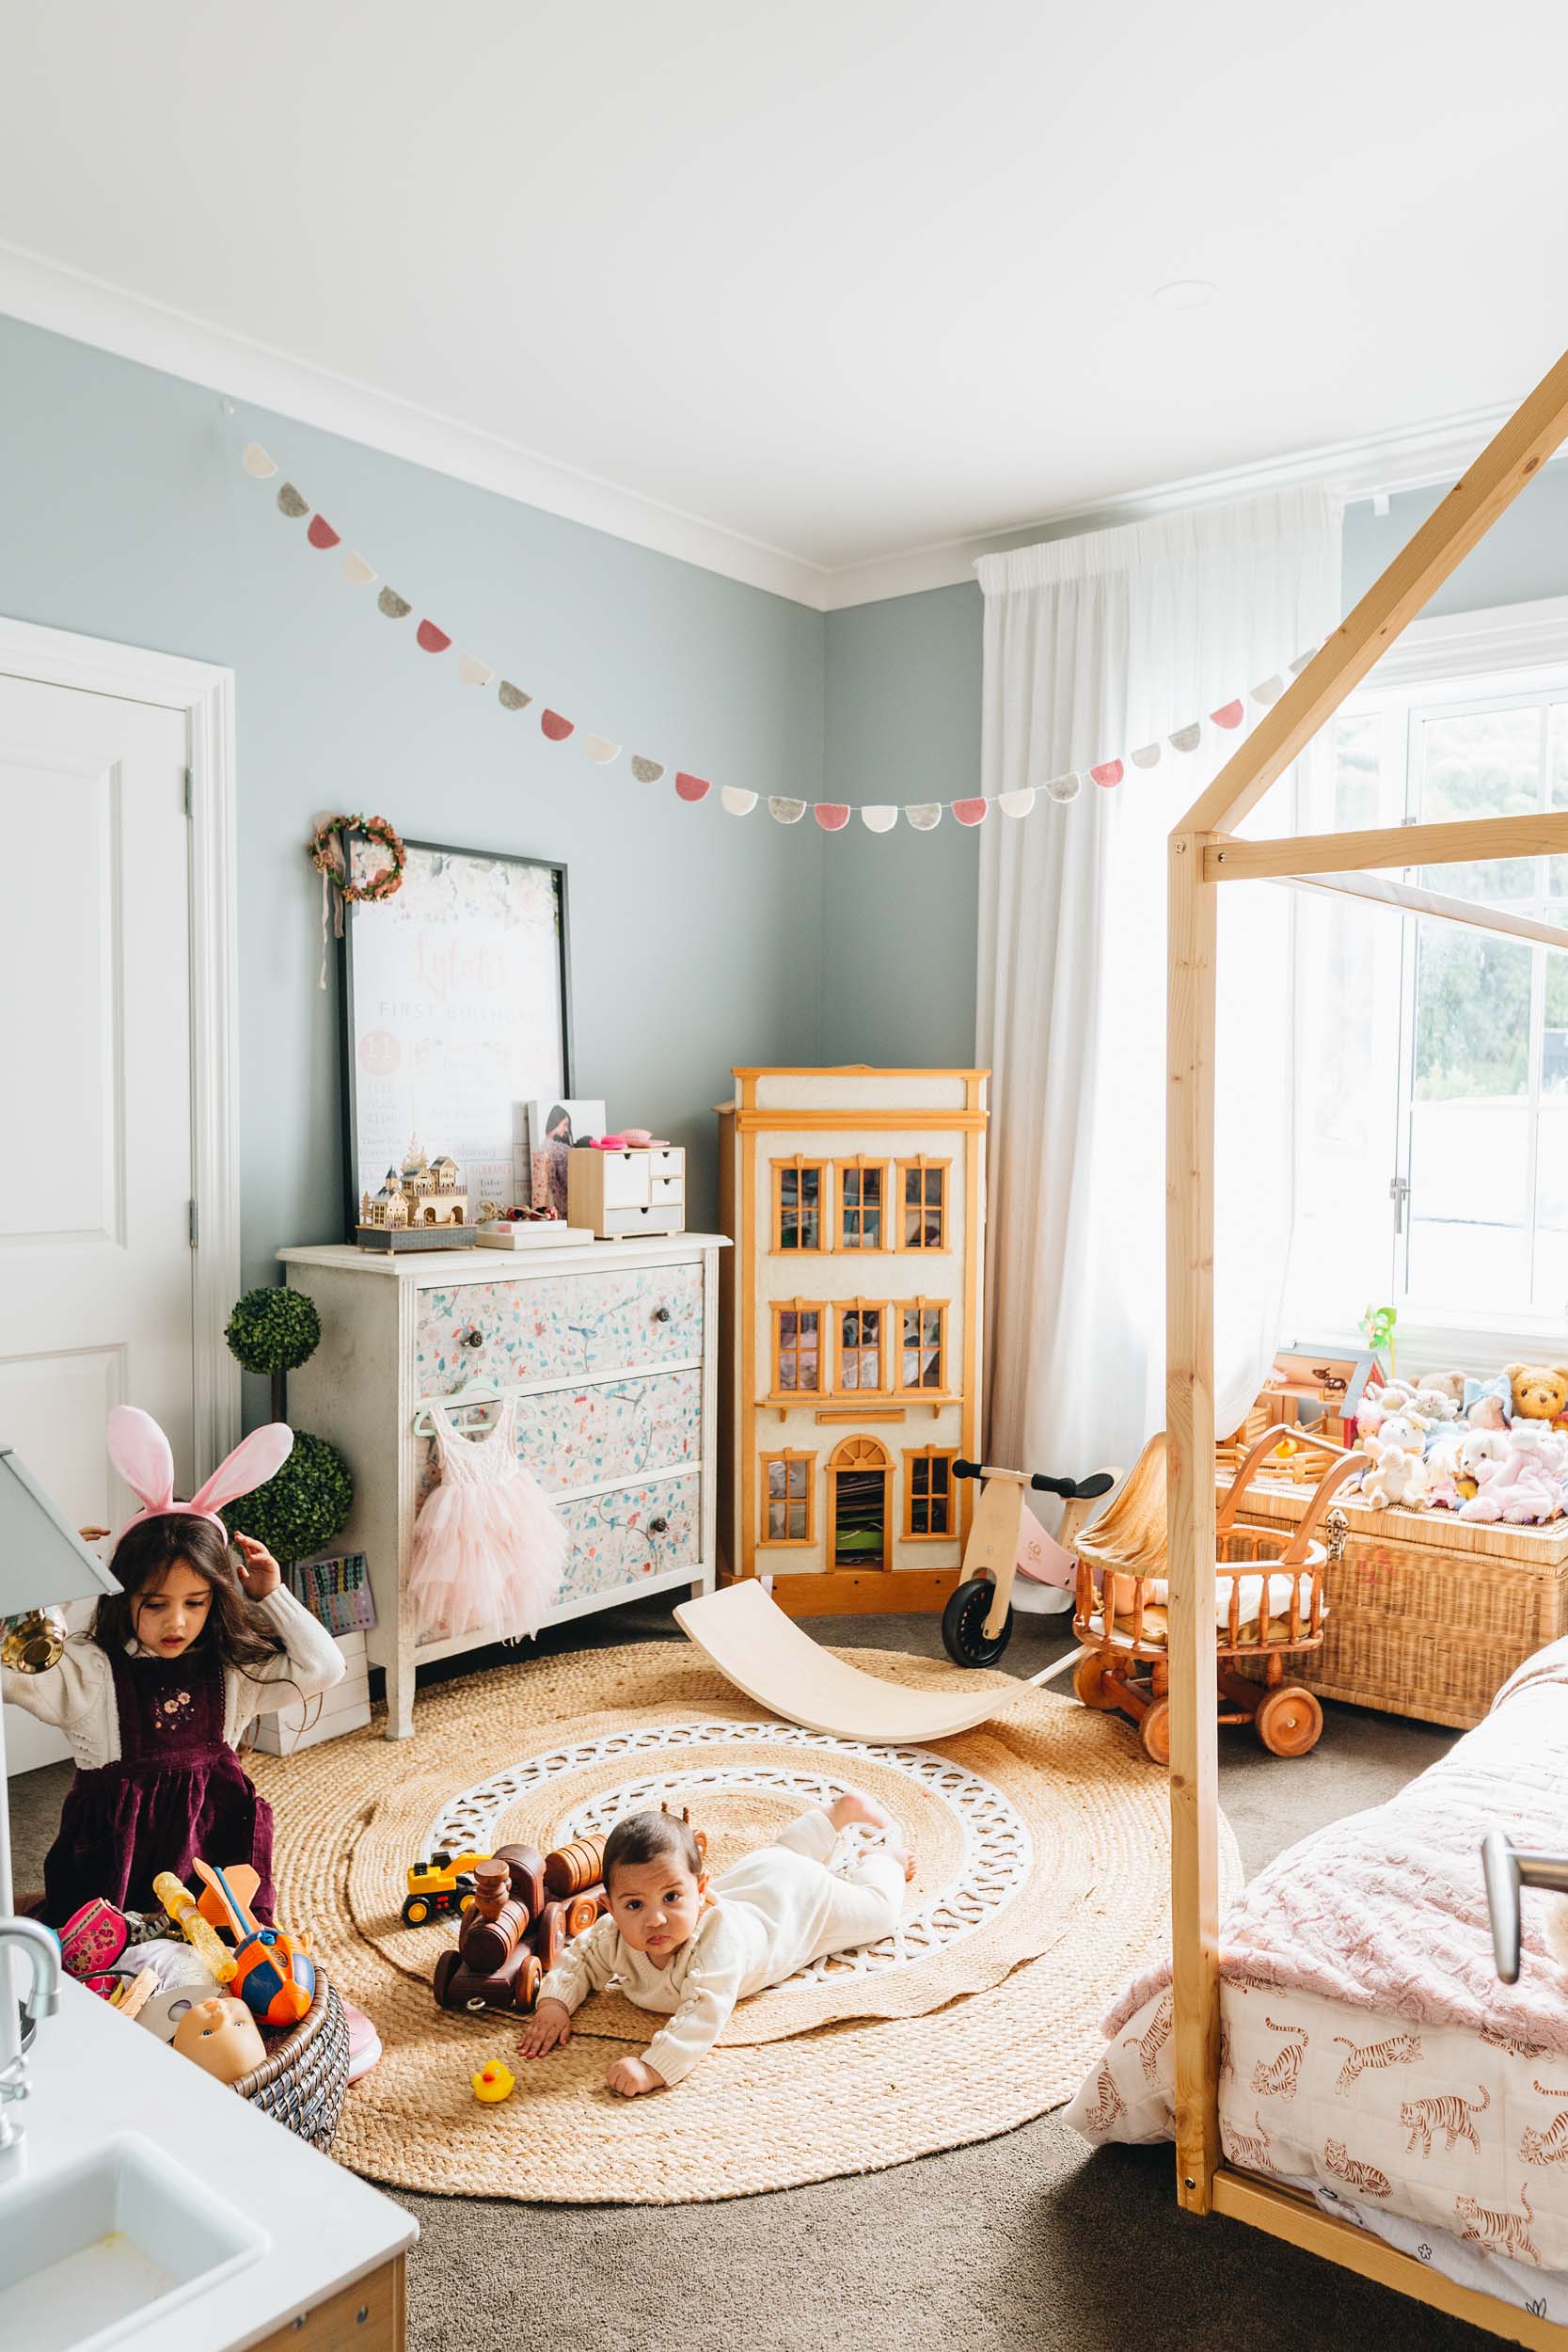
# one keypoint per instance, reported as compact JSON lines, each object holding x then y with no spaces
{"x":797,"y":1189}
{"x":787,"y":1483}
{"x":923,"y":1345}
{"x":923,"y":1203}
{"x":927,"y":1494}
{"x":861,"y":1200}
{"x":797,"y":1349}
{"x":860,"y":1347}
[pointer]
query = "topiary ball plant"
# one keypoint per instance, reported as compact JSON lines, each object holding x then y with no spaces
{"x":299,"y":1510}
{"x":274,"y":1330}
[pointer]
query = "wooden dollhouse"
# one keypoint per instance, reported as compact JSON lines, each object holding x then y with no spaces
{"x":851,"y":1315}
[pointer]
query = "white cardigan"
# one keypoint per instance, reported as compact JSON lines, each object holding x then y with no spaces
{"x":77,"y":1695}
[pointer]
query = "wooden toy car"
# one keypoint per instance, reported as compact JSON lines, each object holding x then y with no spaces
{"x":439,"y":1886}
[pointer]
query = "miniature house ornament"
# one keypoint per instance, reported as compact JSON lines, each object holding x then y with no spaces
{"x":420,"y":1205}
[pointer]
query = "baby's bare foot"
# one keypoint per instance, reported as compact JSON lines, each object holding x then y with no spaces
{"x":855,"y":1806}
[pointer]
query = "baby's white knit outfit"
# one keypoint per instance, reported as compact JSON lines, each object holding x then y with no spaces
{"x":774,"y":1912}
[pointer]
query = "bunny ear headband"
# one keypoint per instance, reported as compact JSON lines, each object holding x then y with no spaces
{"x":140,"y":1452}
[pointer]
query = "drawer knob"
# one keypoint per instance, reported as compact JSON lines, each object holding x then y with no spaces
{"x":473,"y":1336}
{"x":662,"y":1314}
{"x":658,"y":1526}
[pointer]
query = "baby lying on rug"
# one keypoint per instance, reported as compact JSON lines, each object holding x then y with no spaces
{"x":673,"y":1944}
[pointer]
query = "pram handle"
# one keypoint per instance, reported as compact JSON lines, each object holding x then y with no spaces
{"x":1071,"y":1489}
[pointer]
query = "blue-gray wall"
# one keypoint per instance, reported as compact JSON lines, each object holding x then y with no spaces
{"x":694,"y":936}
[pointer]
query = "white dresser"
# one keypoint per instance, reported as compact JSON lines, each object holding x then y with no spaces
{"x":611,"y":1354}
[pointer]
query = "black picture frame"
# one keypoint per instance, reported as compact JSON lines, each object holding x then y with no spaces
{"x":352,"y":915}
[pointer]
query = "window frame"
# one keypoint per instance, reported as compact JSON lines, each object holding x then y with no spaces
{"x":929,"y":1536}
{"x":863,"y":1163}
{"x":924,"y":1164}
{"x":795,"y":1164}
{"x":798,"y":1307}
{"x":842,"y":1306}
{"x":921,"y":1306}
{"x":1484,"y":659}
{"x":787,"y":1455}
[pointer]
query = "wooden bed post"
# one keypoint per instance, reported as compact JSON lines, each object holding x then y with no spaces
{"x":1190,"y":1515}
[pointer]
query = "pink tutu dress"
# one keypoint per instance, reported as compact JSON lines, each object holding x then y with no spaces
{"x":488,"y":1548}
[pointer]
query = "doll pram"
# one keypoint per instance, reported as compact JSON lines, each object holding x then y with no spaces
{"x":1269,"y":1605}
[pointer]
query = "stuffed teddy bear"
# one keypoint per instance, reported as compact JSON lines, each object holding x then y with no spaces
{"x":1540,"y":1393}
{"x":1398,"y":1472}
{"x":1451,"y":1385}
{"x":1525,"y":1488}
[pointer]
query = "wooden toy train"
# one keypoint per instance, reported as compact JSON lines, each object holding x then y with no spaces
{"x":524,"y":1908}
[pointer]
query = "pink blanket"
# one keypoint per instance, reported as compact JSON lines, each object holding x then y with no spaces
{"x":1386,"y":1910}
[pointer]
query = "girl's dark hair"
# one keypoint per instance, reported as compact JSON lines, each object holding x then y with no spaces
{"x":644,"y":1837}
{"x":560,"y":1116}
{"x":144,"y":1556}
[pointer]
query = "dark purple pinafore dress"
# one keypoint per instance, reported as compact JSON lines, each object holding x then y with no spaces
{"x":176,"y":1792}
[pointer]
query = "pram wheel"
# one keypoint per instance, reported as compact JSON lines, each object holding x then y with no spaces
{"x":963,"y":1624}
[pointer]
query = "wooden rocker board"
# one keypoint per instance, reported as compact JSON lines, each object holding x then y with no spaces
{"x":764,"y":1653}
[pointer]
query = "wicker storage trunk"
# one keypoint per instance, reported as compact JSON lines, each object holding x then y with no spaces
{"x":1428,"y":1614}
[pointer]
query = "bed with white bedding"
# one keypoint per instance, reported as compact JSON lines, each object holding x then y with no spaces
{"x":1368,"y":2054}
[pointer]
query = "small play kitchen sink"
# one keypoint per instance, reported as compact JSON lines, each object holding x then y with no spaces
{"x":119,"y":2241}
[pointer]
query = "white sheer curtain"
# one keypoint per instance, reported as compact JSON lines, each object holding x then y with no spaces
{"x":1094,"y":648}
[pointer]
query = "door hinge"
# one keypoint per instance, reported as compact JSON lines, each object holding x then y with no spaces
{"x":193,"y":1223}
{"x":1398,"y":1193}
{"x":186,"y":789}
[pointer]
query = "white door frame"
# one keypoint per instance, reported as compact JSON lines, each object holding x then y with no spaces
{"x":97,"y":665}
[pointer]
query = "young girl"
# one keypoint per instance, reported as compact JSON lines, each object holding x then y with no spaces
{"x":155,"y":1696}
{"x":671,"y":1947}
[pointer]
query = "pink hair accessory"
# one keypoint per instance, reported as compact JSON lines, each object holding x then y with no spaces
{"x":140,"y":1452}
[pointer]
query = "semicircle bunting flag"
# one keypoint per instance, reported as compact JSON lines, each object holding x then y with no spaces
{"x":1016,"y":804}
{"x":1269,"y":691}
{"x":395,"y":607}
{"x":925,"y":816}
{"x":646,"y":770}
{"x":969,"y":812}
{"x":736,"y":800}
{"x":472,"y":670}
{"x":832,"y":816}
{"x":355,"y":568}
{"x":320,"y":533}
{"x":1187,"y":739}
{"x":786,"y":812}
{"x":552,"y":724}
{"x":1229,"y":714}
{"x":257,"y":463}
{"x":1147,"y":756}
{"x":291,"y":503}
{"x":512,"y":697}
{"x":434,"y":640}
{"x":879,"y":815}
{"x":1065,"y":789}
{"x":692,"y":788}
{"x":601,"y":749}
{"x":1109,"y":773}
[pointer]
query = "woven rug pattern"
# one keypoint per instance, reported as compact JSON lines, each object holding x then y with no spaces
{"x":1042,"y":1850}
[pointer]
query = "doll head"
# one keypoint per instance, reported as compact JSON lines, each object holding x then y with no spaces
{"x":179,"y":1588}
{"x":655,"y":1882}
{"x":222,"y":2036}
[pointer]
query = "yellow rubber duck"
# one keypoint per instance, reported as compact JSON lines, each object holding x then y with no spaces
{"x":494,"y":2082}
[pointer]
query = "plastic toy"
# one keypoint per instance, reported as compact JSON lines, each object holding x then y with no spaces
{"x":182,"y":1907}
{"x":978,"y":1622}
{"x":439,"y":1886}
{"x":222,"y":2037}
{"x":273,"y":1973}
{"x":493,"y":2082}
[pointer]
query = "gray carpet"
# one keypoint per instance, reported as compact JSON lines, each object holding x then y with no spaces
{"x":1025,"y":2242}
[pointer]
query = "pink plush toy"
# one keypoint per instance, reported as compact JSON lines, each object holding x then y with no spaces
{"x":1524,"y":1488}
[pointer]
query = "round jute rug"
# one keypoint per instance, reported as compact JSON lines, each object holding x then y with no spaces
{"x":1042,"y":1845}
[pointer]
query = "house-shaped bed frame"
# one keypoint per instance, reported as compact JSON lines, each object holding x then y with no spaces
{"x":1204,"y":854}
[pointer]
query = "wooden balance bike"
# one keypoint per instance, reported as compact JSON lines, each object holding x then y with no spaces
{"x":978,"y":1622}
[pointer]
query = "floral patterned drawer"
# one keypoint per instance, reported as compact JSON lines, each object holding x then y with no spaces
{"x":622,"y":1539}
{"x":571,"y":1438}
{"x":561,"y":1327}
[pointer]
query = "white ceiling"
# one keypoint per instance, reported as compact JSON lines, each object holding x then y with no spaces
{"x":800,"y":287}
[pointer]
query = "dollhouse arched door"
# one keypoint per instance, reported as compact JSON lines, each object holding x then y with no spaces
{"x":859,"y":1505}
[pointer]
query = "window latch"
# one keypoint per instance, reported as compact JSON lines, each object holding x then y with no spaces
{"x":1398,"y":1193}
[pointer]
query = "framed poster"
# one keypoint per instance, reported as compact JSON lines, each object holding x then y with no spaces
{"x":456,"y":1013}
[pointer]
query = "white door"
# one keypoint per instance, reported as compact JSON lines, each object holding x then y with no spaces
{"x":95,"y":1093}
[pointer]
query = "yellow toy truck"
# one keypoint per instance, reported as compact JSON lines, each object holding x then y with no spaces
{"x":439,"y":1886}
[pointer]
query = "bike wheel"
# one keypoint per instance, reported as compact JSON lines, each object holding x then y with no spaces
{"x":963,"y":1624}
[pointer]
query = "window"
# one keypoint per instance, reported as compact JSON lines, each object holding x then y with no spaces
{"x":927,"y":1494}
{"x":860,"y":1347}
{"x":1433,"y":1059}
{"x":788,"y":1484}
{"x":862,"y":1198}
{"x":797,"y":1189}
{"x":923,"y":1345}
{"x":797,"y":1348}
{"x":923,"y":1203}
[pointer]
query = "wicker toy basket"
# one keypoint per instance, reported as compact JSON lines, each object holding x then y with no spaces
{"x":302,"y":2082}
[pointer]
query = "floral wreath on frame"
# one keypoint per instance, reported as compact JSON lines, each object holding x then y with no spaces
{"x":329,"y":855}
